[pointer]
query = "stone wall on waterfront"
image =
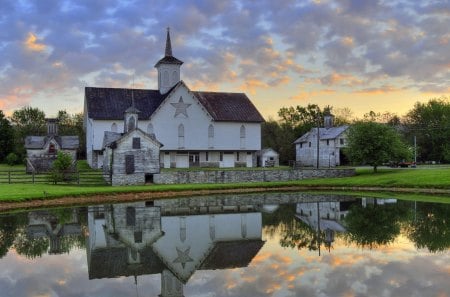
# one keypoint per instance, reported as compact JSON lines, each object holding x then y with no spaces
{"x":242,"y":176}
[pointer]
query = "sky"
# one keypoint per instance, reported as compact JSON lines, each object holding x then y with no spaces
{"x":364,"y":55}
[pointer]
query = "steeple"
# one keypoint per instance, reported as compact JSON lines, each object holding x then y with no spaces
{"x":168,"y":68}
{"x":168,"y":52}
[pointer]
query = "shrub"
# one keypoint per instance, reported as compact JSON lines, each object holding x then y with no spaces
{"x":11,"y":159}
{"x":61,"y":167}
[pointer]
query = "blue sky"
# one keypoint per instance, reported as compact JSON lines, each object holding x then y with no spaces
{"x":360,"y":54}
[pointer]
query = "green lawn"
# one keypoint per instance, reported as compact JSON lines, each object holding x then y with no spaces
{"x":432,"y":178}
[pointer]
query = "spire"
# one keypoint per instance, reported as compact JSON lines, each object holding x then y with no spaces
{"x":168,"y":52}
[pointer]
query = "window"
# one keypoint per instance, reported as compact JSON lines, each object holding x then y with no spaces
{"x":301,"y":145}
{"x":207,"y":156}
{"x":221,"y":157}
{"x":131,"y":123}
{"x":129,"y":164}
{"x":165,"y":78}
{"x":237,"y":156}
{"x":341,"y":141}
{"x":211,"y":136}
{"x":136,"y":142}
{"x":310,"y":144}
{"x":131,"y":216}
{"x":114,"y":127}
{"x":242,"y":136}
{"x":174,"y":77}
{"x":150,"y":128}
{"x":51,"y":149}
{"x":328,"y":142}
{"x":180,"y":136}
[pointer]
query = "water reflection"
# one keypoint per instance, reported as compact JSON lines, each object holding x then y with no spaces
{"x":231,"y":245}
{"x":140,"y":238}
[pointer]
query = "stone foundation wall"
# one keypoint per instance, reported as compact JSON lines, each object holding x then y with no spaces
{"x":241,"y":176}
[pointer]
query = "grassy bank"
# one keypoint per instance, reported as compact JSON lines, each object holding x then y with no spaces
{"x":394,"y":179}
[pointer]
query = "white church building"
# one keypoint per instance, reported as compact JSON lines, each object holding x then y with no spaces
{"x":195,"y":128}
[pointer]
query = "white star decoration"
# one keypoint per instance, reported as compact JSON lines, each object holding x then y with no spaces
{"x":183,"y":257}
{"x":180,"y":107}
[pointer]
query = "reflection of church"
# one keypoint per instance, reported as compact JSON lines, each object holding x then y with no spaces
{"x":140,"y":238}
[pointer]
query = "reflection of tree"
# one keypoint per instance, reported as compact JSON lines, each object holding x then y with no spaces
{"x":293,"y":233}
{"x":31,"y":248}
{"x":374,"y":225}
{"x":431,"y":229}
{"x":9,"y":226}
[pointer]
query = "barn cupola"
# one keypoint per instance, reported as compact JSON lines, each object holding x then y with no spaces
{"x":168,"y":68}
{"x":328,"y":119}
{"x":130,"y":116}
{"x":52,"y":127}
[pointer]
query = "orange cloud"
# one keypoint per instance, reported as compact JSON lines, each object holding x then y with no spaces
{"x":377,"y":91}
{"x":340,"y":78}
{"x":31,"y":43}
{"x":251,"y":84}
{"x":347,"y":41}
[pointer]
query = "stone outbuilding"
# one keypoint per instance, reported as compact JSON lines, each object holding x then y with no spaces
{"x":327,"y":150}
{"x":132,"y":157}
{"x":268,"y":158}
{"x":43,"y":150}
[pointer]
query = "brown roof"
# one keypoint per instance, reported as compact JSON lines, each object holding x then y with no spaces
{"x":110,"y":104}
{"x":232,"y":107}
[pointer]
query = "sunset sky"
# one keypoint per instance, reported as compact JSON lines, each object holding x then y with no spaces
{"x":361,"y":54}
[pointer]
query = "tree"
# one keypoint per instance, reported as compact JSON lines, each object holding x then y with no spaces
{"x":6,"y":137}
{"x":374,"y":144}
{"x":430,"y":123}
{"x":72,"y":124}
{"x":374,"y":225}
{"x":26,"y":121}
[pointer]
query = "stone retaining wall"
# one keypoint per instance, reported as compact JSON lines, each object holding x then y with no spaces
{"x":242,"y":176}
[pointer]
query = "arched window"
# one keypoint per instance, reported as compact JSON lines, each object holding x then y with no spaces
{"x":180,"y":136}
{"x":174,"y":77}
{"x":150,"y":128}
{"x":166,"y":78}
{"x":211,"y":136}
{"x":114,"y":127}
{"x":242,"y":136}
{"x":131,"y":123}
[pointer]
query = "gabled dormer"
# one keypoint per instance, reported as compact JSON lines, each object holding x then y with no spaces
{"x":168,"y":68}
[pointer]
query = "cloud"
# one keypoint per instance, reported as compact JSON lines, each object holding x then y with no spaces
{"x":377,"y":90}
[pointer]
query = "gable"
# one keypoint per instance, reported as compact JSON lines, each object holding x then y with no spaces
{"x":119,"y":139}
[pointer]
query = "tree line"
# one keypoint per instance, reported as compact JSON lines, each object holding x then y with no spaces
{"x":28,"y":121}
{"x":426,"y":123}
{"x":426,"y":128}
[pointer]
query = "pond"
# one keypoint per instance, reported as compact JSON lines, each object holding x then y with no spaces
{"x":295,"y":244}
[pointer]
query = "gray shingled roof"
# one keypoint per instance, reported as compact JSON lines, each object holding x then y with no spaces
{"x":110,"y":104}
{"x":65,"y":142}
{"x":109,"y":137}
{"x":330,"y":133}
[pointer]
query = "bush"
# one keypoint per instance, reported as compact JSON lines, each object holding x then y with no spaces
{"x":61,"y":168}
{"x":11,"y":159}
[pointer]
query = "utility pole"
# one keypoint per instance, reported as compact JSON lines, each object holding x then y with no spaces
{"x":318,"y":140}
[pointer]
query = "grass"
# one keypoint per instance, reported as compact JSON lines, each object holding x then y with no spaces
{"x":419,"y":178}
